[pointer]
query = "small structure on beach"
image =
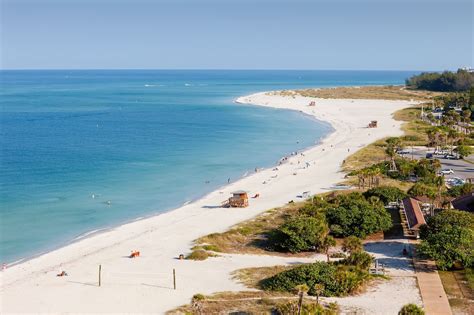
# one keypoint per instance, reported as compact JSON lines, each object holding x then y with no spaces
{"x":239,"y":199}
{"x":373,"y":124}
{"x":414,"y":215}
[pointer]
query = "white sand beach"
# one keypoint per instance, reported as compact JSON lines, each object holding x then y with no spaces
{"x":144,"y":284}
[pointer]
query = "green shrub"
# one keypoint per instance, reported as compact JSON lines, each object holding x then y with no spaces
{"x":386,"y":194}
{"x":352,"y":244}
{"x":199,"y":254}
{"x":352,"y":214}
{"x":359,"y":259}
{"x":199,"y":297}
{"x":411,"y":309}
{"x":300,"y":233}
{"x":411,"y":138}
{"x":307,"y":309}
{"x":213,"y":248}
{"x":457,"y":191}
{"x":464,"y":150}
{"x":448,"y":237}
{"x":337,"y":255}
{"x":421,"y":189}
{"x":337,"y":280}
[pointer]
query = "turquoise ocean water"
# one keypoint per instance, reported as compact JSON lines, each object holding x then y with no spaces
{"x":148,"y":141}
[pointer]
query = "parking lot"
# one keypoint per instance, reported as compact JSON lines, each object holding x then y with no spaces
{"x":463,"y":169}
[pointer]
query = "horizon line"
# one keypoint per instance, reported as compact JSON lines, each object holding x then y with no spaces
{"x":216,"y":69}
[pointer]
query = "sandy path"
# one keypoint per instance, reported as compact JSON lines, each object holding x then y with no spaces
{"x":143,"y":285}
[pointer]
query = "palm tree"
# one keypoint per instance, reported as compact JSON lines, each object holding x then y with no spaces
{"x":376,"y":176}
{"x":318,"y":290}
{"x":432,"y":137}
{"x":432,"y":195}
{"x":352,"y":244}
{"x":405,"y":169}
{"x":454,"y":136}
{"x":301,"y":290}
{"x":327,"y":243}
{"x":362,"y":176}
{"x":436,"y":164}
{"x":439,"y":182}
{"x":393,"y":144}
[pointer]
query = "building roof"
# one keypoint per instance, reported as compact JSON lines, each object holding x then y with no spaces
{"x":465,"y":202}
{"x":413,"y":212}
{"x":238,"y":192}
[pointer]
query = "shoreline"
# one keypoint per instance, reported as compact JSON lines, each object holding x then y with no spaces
{"x":186,"y":223}
{"x":89,"y":234}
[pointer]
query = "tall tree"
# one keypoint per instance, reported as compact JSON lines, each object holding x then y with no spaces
{"x":328,"y":242}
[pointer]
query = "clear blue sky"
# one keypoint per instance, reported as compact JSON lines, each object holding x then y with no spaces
{"x":237,"y":34}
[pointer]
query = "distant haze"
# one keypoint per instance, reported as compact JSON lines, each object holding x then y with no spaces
{"x":236,"y":34}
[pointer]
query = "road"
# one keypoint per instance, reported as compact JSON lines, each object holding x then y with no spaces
{"x":462,"y":169}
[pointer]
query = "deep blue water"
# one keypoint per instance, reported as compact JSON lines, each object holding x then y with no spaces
{"x":145,"y":140}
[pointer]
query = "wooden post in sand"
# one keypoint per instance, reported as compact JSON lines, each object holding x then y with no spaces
{"x":174,"y":278}
{"x":100,"y":272}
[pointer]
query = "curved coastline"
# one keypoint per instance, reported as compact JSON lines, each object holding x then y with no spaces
{"x":164,"y":236}
{"x":156,"y":213}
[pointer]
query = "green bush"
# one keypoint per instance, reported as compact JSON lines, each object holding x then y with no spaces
{"x":337,"y":279}
{"x":421,"y":189}
{"x":411,"y":309}
{"x":307,"y":309}
{"x":199,"y":254}
{"x":352,"y":244}
{"x":360,"y":260}
{"x":464,"y":150}
{"x":386,"y":194}
{"x":352,"y":214}
{"x":213,"y":248}
{"x":448,"y":237}
{"x":457,"y":191}
{"x":300,"y":233}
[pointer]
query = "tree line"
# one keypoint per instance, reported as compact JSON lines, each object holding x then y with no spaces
{"x":447,"y":81}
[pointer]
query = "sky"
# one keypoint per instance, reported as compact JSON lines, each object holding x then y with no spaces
{"x":237,"y":34}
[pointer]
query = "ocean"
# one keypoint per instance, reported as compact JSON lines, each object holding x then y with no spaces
{"x":86,"y":150}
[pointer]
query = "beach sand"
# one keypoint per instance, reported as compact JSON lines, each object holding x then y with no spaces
{"x":144,"y":284}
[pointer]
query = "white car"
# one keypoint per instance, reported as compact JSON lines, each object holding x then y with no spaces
{"x":447,"y":172}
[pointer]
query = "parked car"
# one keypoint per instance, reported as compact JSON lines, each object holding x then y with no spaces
{"x":447,"y":172}
{"x":402,"y":152}
{"x":429,"y":155}
{"x":451,"y":157}
{"x":455,"y":181}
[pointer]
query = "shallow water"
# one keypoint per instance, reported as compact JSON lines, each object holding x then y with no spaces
{"x":147,"y":141}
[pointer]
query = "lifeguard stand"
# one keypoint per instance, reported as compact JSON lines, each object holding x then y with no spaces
{"x":239,"y":199}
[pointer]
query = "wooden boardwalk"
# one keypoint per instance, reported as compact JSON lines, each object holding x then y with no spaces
{"x":434,"y":298}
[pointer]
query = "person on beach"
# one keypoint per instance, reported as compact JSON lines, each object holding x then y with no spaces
{"x":228,"y":180}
